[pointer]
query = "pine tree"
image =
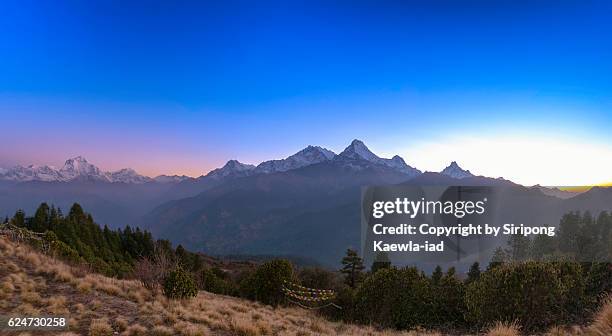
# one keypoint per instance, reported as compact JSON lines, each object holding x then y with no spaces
{"x":518,"y":248}
{"x":382,"y":262}
{"x":473,"y":273}
{"x":19,"y":218}
{"x":41,"y":220}
{"x":542,"y":246}
{"x":352,"y":268}
{"x":569,"y":229}
{"x":499,"y":257}
{"x":437,"y":274}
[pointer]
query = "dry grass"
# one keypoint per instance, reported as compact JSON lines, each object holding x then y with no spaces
{"x":121,"y":323}
{"x":100,"y":327}
{"x":135,"y":330}
{"x":504,"y":329}
{"x":162,"y":330}
{"x":31,"y":283}
{"x":602,"y":326}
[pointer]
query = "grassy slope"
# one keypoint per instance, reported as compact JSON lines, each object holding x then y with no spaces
{"x":31,"y":284}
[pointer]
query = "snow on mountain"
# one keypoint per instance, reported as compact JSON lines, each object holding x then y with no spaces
{"x":171,"y":178}
{"x":233,"y":168}
{"x":31,"y":173}
{"x":357,"y":150}
{"x":128,"y":175}
{"x":78,"y":168}
{"x":454,"y":171}
{"x":74,"y":169}
{"x":307,"y":156}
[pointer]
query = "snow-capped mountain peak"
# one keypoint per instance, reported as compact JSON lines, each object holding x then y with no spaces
{"x":171,"y":178}
{"x":74,"y":169}
{"x":128,"y":175}
{"x":307,"y":156}
{"x":30,"y":173}
{"x":232,"y":168}
{"x":236,"y":165}
{"x":79,"y":168}
{"x":358,"y":150}
{"x":453,"y":170}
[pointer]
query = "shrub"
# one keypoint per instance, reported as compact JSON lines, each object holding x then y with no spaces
{"x":265,"y":284}
{"x":316,"y":277}
{"x":574,"y":299}
{"x":530,"y":292}
{"x":449,"y":301}
{"x":179,"y":284}
{"x":395,"y":298}
{"x":345,"y":298}
{"x":211,"y":282}
{"x":598,"y":283}
{"x":63,"y":251}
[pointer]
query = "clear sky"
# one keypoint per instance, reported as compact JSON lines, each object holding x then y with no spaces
{"x":519,"y":89}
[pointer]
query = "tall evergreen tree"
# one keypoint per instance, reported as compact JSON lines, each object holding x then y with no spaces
{"x":381,"y":262}
{"x":19,"y":218}
{"x":352,"y":268}
{"x":437,"y":274}
{"x":499,"y":257}
{"x":518,"y":248}
{"x":473,"y":273}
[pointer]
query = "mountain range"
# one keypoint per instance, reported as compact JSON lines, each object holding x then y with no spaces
{"x":79,"y":169}
{"x":307,"y":204}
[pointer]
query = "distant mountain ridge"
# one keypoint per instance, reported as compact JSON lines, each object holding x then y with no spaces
{"x":314,"y":210}
{"x":307,"y":204}
{"x":79,"y":169}
{"x":454,"y":171}
{"x":355,"y":156}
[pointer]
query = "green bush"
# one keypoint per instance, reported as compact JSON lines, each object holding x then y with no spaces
{"x":598,"y":283}
{"x":265,"y":284}
{"x":395,"y":298}
{"x":319,"y":278}
{"x":345,"y":298}
{"x":61,"y":250}
{"x":573,"y":289}
{"x":211,"y":281}
{"x":449,"y":301}
{"x":179,"y":284}
{"x":531,"y":292}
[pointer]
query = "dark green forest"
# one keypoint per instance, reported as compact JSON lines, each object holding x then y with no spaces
{"x":537,"y":282}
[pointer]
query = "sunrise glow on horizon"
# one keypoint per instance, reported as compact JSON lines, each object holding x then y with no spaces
{"x":183,"y":89}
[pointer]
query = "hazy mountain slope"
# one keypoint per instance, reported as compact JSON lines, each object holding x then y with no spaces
{"x":314,"y":211}
{"x":115,"y":204}
{"x":275,"y":213}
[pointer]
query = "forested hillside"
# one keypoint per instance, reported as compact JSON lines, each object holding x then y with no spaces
{"x":538,"y":284}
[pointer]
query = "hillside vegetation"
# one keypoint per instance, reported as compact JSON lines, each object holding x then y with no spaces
{"x":32,"y":283}
{"x":54,"y":264}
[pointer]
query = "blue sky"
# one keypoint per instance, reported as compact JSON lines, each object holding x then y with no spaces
{"x":181,"y":87}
